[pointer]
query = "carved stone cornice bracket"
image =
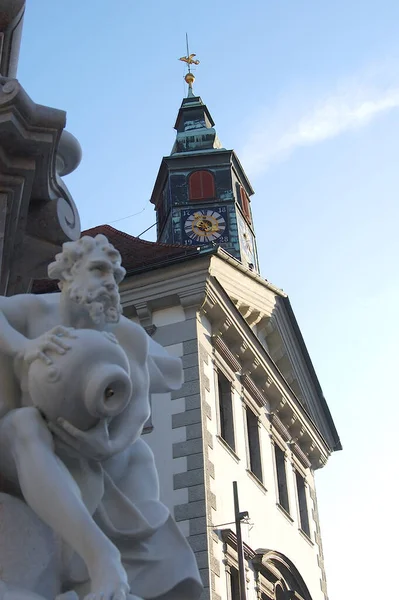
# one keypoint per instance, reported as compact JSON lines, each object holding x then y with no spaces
{"x":223,"y":327}
{"x":191,"y":300}
{"x":144,"y":313}
{"x":37,"y":212}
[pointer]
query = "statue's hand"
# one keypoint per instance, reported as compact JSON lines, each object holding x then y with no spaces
{"x":52,"y":341}
{"x":94,"y":443}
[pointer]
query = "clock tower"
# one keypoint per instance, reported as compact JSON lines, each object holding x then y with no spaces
{"x":202,"y":194}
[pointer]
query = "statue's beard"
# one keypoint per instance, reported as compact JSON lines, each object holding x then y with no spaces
{"x":100,"y":304}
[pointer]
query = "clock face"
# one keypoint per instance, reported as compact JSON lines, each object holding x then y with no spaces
{"x":246,"y":242}
{"x":205,"y":225}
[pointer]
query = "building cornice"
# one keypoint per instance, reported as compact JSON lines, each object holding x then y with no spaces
{"x":266,"y":306}
{"x":261,"y":376}
{"x":195,"y":289}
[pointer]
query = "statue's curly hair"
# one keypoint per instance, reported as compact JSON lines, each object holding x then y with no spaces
{"x":73,"y":252}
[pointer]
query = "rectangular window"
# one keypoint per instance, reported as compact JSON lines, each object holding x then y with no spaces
{"x":281,"y":478}
{"x":255,"y":463}
{"x":245,"y":204}
{"x":302,"y":504}
{"x":234,"y":584}
{"x":201,"y":185}
{"x":226,"y":410}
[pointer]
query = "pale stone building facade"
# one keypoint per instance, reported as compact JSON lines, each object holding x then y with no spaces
{"x":251,"y":409}
{"x":237,"y":418}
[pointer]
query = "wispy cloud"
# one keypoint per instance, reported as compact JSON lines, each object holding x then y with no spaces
{"x":277,"y":133}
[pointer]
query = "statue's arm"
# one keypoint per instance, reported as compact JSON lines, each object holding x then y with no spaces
{"x":153,"y":370}
{"x":12,"y":343}
{"x":13,"y":312}
{"x":125,"y":428}
{"x":166,"y":371}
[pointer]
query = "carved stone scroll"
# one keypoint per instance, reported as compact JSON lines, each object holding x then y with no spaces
{"x":37,"y":212}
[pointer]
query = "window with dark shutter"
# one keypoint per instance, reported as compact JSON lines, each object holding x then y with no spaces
{"x":281,"y":478}
{"x":201,"y":185}
{"x":245,"y":204}
{"x":302,"y":504}
{"x":234,"y":584}
{"x":226,"y":424}
{"x":255,"y":463}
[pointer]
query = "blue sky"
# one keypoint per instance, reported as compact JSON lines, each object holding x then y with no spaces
{"x":307,"y":93}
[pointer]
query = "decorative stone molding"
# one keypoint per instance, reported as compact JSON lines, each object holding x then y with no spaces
{"x":229,"y":539}
{"x":190,"y":301}
{"x":225,"y":326}
{"x":303,"y":459}
{"x":266,"y":325}
{"x":144,"y":313}
{"x":281,"y":405}
{"x":279,"y":572}
{"x":278,"y":425}
{"x":38,"y":212}
{"x":253,"y":389}
{"x":228,"y":356}
{"x":266,"y":383}
{"x":255,"y":317}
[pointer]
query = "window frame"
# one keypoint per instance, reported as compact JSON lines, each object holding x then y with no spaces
{"x":233,"y":582}
{"x":203,"y":195}
{"x":221,"y":374}
{"x":277,"y":449}
{"x":258,"y":473}
{"x":302,"y":493}
{"x":230,"y":559}
{"x":244,"y":202}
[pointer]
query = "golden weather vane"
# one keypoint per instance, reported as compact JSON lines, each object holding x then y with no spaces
{"x":189,"y":60}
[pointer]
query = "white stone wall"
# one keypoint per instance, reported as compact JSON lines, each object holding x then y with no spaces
{"x":196,"y":468}
{"x":269,"y":526}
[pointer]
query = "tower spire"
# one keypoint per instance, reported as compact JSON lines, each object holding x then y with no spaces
{"x":189,"y":60}
{"x":202,"y":193}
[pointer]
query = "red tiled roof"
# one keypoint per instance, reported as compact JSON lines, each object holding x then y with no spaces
{"x":136,"y":254}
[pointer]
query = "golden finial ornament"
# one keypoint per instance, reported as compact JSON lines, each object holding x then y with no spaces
{"x":189,"y":78}
{"x":189,"y":60}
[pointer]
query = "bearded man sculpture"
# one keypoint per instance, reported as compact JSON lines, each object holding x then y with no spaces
{"x":79,"y":490}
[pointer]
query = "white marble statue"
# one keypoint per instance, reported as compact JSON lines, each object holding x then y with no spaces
{"x":80,"y":515}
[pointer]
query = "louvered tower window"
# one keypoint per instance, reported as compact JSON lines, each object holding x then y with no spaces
{"x":201,"y":185}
